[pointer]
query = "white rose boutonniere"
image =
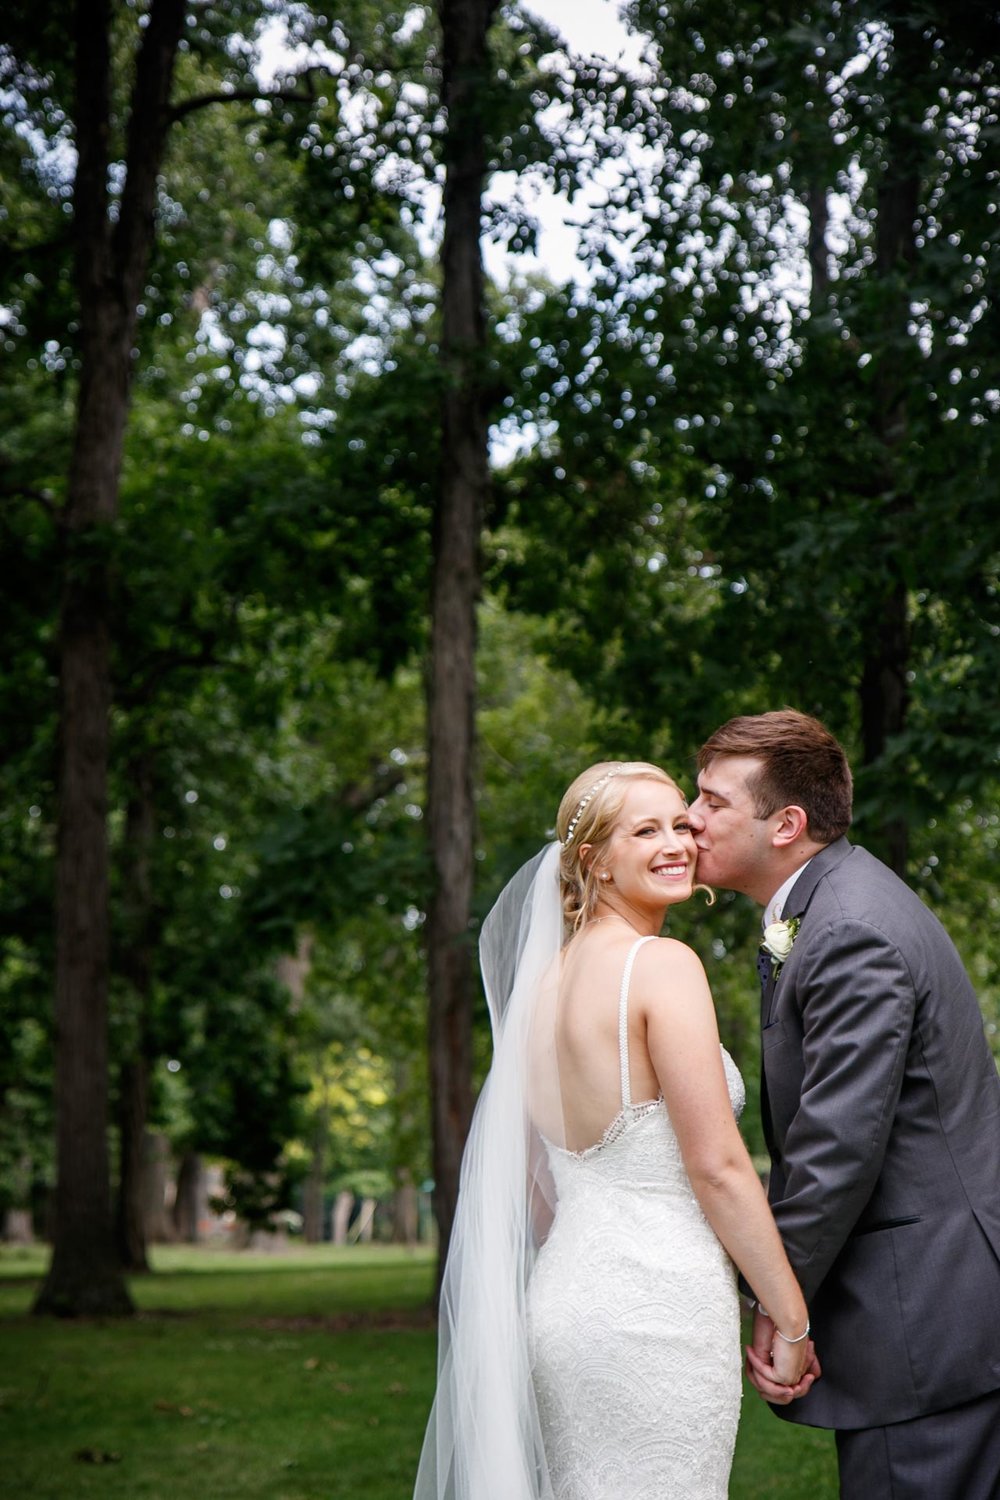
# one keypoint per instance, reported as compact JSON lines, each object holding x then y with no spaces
{"x":778,"y":939}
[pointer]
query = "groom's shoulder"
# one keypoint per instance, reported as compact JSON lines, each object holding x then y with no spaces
{"x":864,"y":885}
{"x":850,"y":866}
{"x":859,"y":863}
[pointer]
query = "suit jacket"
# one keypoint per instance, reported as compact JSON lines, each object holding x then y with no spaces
{"x":881,"y":1105}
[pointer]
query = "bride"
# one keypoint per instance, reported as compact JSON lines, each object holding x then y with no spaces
{"x":589,"y":1321}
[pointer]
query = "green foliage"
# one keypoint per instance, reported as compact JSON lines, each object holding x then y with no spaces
{"x":734,"y":453}
{"x":746,"y":453}
{"x":26,"y":1167}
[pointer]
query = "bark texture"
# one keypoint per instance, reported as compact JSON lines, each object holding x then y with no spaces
{"x":111,"y":261}
{"x":137,"y":970}
{"x":883,"y":692}
{"x":455,"y":593}
{"x":187,"y":1200}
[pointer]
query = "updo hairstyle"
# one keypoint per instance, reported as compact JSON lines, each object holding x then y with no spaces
{"x":590,"y":809}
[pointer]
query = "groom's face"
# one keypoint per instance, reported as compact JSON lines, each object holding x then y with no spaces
{"x":734,"y":846}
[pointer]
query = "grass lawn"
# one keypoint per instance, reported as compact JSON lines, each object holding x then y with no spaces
{"x":303,"y":1376}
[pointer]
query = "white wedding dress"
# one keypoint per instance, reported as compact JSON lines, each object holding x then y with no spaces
{"x":633,"y":1316}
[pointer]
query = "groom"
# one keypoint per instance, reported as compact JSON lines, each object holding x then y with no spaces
{"x":881,"y":1110}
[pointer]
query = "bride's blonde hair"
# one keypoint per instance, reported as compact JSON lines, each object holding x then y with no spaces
{"x":588,"y":813}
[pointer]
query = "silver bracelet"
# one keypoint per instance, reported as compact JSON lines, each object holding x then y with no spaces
{"x":792,"y":1341}
{"x":765,"y":1314}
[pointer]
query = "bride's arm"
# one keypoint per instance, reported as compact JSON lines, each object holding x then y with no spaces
{"x":682,"y":1036}
{"x":541,"y":1189}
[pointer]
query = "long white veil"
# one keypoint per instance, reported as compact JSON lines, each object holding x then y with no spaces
{"x":483,"y":1439}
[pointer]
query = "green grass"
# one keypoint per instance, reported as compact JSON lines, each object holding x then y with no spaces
{"x":295,"y":1377}
{"x":777,"y":1460}
{"x":304,"y":1376}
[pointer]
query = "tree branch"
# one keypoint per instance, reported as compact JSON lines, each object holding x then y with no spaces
{"x":253,"y":96}
{"x":385,"y":778}
{"x":149,"y":674}
{"x":144,"y":147}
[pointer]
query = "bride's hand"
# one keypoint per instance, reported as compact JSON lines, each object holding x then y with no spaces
{"x":789,"y":1359}
{"x":780,"y":1371}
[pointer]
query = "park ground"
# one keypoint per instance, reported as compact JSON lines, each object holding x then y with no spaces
{"x":302,"y":1376}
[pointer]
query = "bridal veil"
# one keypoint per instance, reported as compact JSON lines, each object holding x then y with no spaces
{"x":483,"y":1438}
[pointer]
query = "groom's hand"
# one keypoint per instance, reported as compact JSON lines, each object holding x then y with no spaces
{"x":761,"y":1371}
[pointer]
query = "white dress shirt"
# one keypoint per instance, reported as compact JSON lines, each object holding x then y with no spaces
{"x":776,"y":905}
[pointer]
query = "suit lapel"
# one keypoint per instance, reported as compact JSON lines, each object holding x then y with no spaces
{"x":766,"y":974}
{"x":821,"y":864}
{"x":796,"y":905}
{"x":765,"y":971}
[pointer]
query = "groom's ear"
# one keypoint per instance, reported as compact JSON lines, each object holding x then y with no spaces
{"x":793,"y":824}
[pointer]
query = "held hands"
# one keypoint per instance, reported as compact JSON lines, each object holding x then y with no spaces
{"x":780,"y":1371}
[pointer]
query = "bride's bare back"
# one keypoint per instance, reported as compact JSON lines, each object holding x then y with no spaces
{"x":575,"y":1079}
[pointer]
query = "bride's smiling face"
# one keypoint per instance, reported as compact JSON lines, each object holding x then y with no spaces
{"x":651,"y":855}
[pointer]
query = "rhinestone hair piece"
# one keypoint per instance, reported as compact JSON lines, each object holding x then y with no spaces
{"x":589,"y":797}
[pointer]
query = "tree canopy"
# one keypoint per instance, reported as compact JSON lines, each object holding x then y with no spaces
{"x":742,"y":453}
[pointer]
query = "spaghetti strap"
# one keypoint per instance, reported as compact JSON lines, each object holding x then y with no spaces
{"x":623,"y":1020}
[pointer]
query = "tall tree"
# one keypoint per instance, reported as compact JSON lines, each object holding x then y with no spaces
{"x":442,"y":106}
{"x":776,"y":405}
{"x":113,"y":237}
{"x":116,"y":65}
{"x":465,"y":481}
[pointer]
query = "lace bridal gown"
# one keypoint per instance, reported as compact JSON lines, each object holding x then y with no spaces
{"x":633,"y":1316}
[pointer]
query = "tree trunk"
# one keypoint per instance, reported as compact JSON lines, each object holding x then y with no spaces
{"x":883,"y":688}
{"x":133,"y":1112}
{"x":18,"y":1224}
{"x":314,"y":1190}
{"x":293,"y":971}
{"x":343,"y":1204}
{"x":312,"y":1204}
{"x":111,"y":260}
{"x":137,"y":970}
{"x":405,"y":1211}
{"x":884,"y":701}
{"x":364,"y":1226}
{"x":158,"y":1227}
{"x":818,"y":208}
{"x":18,"y":1228}
{"x":455,"y":592}
{"x":406,"y":1198}
{"x":188,"y":1198}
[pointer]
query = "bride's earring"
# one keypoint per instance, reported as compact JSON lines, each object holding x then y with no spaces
{"x":605,"y":875}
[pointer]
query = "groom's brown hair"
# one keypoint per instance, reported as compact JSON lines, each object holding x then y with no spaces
{"x":801,"y":763}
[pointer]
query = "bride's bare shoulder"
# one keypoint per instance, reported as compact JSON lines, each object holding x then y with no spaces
{"x":671,"y":950}
{"x":669,"y":958}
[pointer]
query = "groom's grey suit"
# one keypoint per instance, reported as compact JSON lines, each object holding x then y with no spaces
{"x":881,"y":1106}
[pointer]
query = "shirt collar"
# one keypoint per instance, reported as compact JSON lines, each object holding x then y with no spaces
{"x":776,"y":905}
